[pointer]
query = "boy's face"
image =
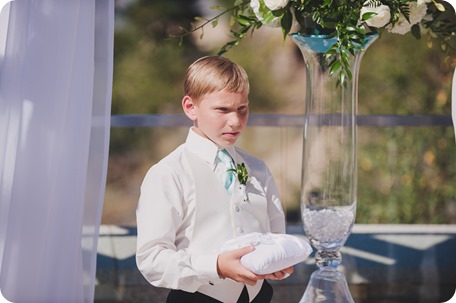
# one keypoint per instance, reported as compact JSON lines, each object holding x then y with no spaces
{"x":220,"y":116}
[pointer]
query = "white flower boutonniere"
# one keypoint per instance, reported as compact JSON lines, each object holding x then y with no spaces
{"x":242,"y":176}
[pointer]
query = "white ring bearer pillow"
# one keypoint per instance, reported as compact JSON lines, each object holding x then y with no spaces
{"x":273,"y":252}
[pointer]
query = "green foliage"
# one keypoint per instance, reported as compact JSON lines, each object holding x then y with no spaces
{"x":241,"y":173}
{"x":402,"y":76}
{"x":342,"y":19}
{"x":147,"y":65}
{"x":406,"y":175}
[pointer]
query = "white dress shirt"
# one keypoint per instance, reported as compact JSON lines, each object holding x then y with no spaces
{"x":184,"y":215}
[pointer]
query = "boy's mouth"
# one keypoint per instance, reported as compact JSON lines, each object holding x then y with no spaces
{"x":233,"y":134}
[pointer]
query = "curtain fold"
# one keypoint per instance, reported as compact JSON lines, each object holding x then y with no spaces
{"x":55,"y":96}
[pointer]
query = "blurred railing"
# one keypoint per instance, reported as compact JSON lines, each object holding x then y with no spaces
{"x":276,"y":120}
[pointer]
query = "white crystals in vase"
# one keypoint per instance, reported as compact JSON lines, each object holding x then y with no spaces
{"x":328,"y":227}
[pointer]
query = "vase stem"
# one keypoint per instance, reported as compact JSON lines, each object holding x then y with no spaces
{"x":328,"y":258}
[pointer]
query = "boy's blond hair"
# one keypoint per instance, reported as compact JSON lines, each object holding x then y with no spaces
{"x":212,"y":74}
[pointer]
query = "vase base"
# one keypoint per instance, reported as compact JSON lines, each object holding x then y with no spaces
{"x":329,"y":285}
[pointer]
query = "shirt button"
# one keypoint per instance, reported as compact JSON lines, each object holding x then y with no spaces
{"x":240,"y":229}
{"x":237,"y":208}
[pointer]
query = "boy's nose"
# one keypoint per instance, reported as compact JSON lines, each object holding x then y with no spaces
{"x":234,"y":120}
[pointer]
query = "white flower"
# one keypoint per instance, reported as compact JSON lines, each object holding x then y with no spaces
{"x":382,"y":17}
{"x":419,"y":2}
{"x":401,"y":27}
{"x":417,"y":13}
{"x":261,"y":11}
{"x":276,"y":4}
{"x":255,"y":5}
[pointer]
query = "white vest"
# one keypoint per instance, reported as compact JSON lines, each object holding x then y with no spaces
{"x":212,"y":200}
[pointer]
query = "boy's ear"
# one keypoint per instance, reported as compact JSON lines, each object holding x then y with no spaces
{"x":189,"y":107}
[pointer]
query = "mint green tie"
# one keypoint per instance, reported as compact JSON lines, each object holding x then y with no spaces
{"x":227,"y":177}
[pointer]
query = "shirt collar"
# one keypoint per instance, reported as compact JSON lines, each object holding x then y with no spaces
{"x":205,"y":148}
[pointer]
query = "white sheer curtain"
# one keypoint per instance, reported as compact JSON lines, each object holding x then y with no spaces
{"x":55,"y":97}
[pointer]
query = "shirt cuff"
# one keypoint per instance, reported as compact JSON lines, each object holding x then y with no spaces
{"x":205,"y":266}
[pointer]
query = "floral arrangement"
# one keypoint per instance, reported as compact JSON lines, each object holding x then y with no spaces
{"x":348,"y":20}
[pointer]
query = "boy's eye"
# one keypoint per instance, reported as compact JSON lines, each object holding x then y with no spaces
{"x":242,"y":109}
{"x":222,"y":109}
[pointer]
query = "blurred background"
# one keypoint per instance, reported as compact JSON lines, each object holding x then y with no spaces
{"x":406,"y":174}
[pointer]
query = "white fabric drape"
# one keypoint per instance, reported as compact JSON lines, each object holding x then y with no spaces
{"x":55,"y":98}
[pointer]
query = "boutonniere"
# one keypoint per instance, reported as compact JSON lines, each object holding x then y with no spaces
{"x":242,"y":176}
{"x":241,"y":173}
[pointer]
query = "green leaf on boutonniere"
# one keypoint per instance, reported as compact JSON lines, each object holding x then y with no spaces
{"x":241,"y":173}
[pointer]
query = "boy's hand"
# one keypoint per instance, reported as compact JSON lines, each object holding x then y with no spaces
{"x":229,"y":266}
{"x":280,"y":275}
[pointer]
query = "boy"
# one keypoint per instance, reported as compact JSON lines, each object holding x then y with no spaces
{"x":185,"y":213}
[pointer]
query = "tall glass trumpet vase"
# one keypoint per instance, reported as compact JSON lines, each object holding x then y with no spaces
{"x":329,"y":164}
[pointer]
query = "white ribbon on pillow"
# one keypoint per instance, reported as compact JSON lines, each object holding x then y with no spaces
{"x":273,"y":252}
